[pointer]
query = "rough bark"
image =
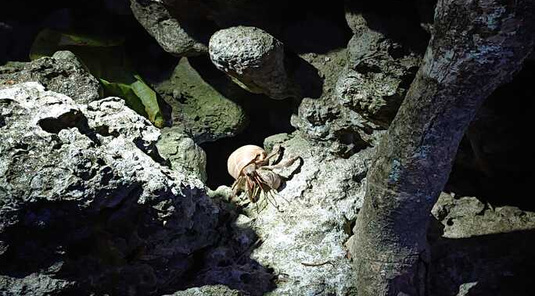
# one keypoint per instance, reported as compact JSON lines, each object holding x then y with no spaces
{"x":476,"y":46}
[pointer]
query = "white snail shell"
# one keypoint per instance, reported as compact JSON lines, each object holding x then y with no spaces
{"x":242,"y":157}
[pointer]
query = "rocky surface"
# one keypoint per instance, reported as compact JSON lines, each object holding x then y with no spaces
{"x":468,"y":216}
{"x":182,"y":152}
{"x":356,"y":110}
{"x":112,"y":205}
{"x":83,"y":204}
{"x":62,"y":73}
{"x":154,"y":16}
{"x":255,"y":60}
{"x":216,"y":290}
{"x":198,"y":107}
{"x":479,"y":249}
{"x":321,"y":119}
{"x":377,"y":77}
{"x":303,"y":240}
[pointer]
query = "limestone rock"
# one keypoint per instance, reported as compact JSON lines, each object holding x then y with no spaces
{"x":167,"y":30}
{"x":62,"y":73}
{"x":83,"y":202}
{"x":359,"y":106}
{"x":466,"y":216}
{"x":216,"y":290}
{"x":304,"y":243}
{"x":480,"y":249}
{"x":255,"y":60}
{"x":198,"y":107}
{"x":182,"y":152}
{"x":378,"y":75}
{"x":325,"y":120}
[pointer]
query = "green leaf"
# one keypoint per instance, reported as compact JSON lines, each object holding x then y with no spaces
{"x":105,"y":59}
{"x":149,"y":100}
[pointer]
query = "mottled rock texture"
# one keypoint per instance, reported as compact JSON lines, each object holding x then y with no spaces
{"x":479,"y":249}
{"x":181,"y":151}
{"x":304,"y":241}
{"x":321,"y":119}
{"x":198,"y":107}
{"x":154,"y":16}
{"x":254,"y":59}
{"x":62,"y":73}
{"x":216,"y":290}
{"x":359,"y":106}
{"x":84,"y":206}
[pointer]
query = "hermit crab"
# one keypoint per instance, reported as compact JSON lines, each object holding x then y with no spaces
{"x":249,"y":166}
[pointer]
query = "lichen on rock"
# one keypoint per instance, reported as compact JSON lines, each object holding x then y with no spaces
{"x":198,"y":107}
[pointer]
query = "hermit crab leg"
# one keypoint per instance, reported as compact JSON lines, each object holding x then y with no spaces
{"x":274,"y":194}
{"x":259,"y":180}
{"x":271,"y":199}
{"x":250,"y":189}
{"x":282,"y":164}
{"x":256,"y":193}
{"x":262,"y":187}
{"x":276,"y":151}
{"x":237,"y":185}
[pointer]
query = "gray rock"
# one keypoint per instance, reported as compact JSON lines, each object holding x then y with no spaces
{"x":216,"y":290}
{"x":480,"y":249}
{"x":62,"y":73}
{"x":342,"y":131}
{"x":254,"y":59}
{"x":464,"y":217}
{"x":35,"y":283}
{"x":83,"y":202}
{"x":464,"y":289}
{"x":198,"y":107}
{"x":304,"y":243}
{"x":182,"y":152}
{"x":325,"y":120}
{"x":356,"y":109}
{"x":378,"y":75}
{"x":167,"y":30}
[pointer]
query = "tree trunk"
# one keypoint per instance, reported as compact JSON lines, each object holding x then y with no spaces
{"x":476,"y":46}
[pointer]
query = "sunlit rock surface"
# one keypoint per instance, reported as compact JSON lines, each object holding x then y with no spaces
{"x":254,"y":59}
{"x":83,"y":201}
{"x":303,"y":240}
{"x":62,"y":73}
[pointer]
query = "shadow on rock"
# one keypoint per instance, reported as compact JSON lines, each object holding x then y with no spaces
{"x":392,"y":19}
{"x":228,"y":263}
{"x":306,"y":76}
{"x":496,"y":264}
{"x":87,"y":210}
{"x":108,"y":251}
